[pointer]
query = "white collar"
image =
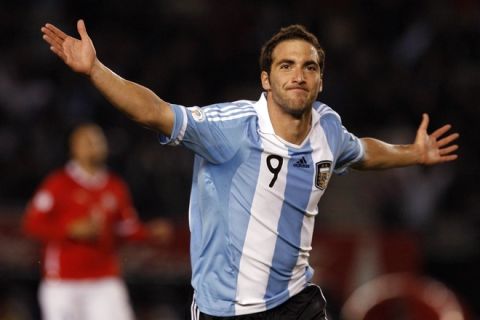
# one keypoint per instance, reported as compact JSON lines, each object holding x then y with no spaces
{"x":264,"y":122}
{"x":85,"y":179}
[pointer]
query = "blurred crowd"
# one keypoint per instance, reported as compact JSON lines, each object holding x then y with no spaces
{"x":387,"y":62}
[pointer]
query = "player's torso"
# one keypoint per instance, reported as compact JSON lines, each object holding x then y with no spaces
{"x":79,"y":259}
{"x":264,"y":202}
{"x":77,"y":201}
{"x":292,"y":175}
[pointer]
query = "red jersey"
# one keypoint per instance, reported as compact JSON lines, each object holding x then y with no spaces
{"x":70,"y":194}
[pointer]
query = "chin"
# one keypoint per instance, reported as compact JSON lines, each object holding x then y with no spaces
{"x":296,"y":111}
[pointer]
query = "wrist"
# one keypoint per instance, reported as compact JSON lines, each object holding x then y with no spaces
{"x":97,"y":68}
{"x":417,"y":155}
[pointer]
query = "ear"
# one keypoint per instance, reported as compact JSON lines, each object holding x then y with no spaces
{"x":265,"y":81}
{"x":320,"y":86}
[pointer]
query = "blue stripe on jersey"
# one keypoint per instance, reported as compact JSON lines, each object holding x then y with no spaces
{"x":241,"y":198}
{"x":220,"y":200}
{"x":290,"y":224}
{"x":210,"y":233}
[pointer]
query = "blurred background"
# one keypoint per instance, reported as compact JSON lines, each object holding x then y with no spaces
{"x":387,"y":62}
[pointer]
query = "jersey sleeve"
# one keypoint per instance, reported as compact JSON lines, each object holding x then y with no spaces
{"x":213,"y":132}
{"x":346,"y":147}
{"x":40,"y":220}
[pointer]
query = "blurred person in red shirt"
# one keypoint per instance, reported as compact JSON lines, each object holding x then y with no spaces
{"x":80,"y":214}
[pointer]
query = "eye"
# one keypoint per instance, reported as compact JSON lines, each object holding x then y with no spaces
{"x":284,"y":66}
{"x":312,"y":67}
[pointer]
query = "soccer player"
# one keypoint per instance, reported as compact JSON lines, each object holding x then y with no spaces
{"x":260,"y":170}
{"x":80,"y":213}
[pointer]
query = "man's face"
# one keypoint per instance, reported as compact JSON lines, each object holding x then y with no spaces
{"x":295,"y":79}
{"x":89,"y":145}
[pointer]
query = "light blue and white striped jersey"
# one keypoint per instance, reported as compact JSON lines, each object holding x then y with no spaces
{"x":254,"y":200}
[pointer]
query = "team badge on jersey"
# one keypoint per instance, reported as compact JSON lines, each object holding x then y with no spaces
{"x":197,"y":114}
{"x":323,"y":171}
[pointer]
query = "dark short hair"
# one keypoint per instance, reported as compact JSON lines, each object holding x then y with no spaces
{"x":292,"y":32}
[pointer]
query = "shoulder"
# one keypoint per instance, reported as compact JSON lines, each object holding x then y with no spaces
{"x":227,"y":111}
{"x":323,"y":111}
{"x":56,"y":177}
{"x":54,"y":184}
{"x":114,"y":177}
{"x":116,"y":181}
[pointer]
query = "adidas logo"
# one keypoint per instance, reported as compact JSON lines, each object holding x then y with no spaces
{"x":301,"y":163}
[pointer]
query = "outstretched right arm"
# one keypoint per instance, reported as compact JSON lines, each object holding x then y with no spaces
{"x":136,"y":101}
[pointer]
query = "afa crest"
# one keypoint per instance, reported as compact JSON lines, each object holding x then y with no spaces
{"x":197,"y":113}
{"x":323,"y":171}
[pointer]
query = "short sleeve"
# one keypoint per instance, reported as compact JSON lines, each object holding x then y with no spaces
{"x":212,"y":132}
{"x":346,"y":147}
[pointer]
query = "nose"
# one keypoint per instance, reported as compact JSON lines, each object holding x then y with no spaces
{"x":299,"y":76}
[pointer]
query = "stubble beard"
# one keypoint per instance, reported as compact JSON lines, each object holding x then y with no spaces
{"x":296,"y":107}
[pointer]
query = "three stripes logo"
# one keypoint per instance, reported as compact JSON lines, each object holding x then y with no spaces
{"x":301,"y":163}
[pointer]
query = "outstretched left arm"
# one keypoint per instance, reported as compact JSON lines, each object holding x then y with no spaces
{"x":427,"y":149}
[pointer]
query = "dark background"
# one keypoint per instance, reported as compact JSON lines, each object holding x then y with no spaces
{"x":387,"y":62}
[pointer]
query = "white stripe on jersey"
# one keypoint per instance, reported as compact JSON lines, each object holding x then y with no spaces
{"x":183,"y":128}
{"x":237,"y":116}
{"x":259,"y":246}
{"x":318,"y":142}
{"x":229,"y":112}
{"x":226,"y":109}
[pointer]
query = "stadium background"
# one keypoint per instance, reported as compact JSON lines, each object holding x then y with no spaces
{"x":387,"y":62}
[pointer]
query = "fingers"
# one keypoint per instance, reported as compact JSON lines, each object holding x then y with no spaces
{"x":54,"y":31}
{"x":448,"y":139}
{"x":448,"y":150}
{"x":441,"y":131}
{"x":424,"y":124}
{"x":51,"y":37}
{"x":82,"y":30}
{"x":58,"y":53}
{"x":449,"y":158}
{"x":55,"y":38}
{"x":54,"y":44}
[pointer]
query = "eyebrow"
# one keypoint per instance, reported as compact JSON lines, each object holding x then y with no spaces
{"x":290,"y":61}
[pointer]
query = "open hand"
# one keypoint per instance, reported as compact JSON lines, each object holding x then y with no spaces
{"x":436,"y":147}
{"x":78,"y":54}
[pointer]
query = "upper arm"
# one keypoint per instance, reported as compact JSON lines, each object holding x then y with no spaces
{"x":42,"y":202}
{"x":161,"y":118}
{"x":39,"y":219}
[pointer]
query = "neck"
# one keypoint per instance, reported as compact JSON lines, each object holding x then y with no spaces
{"x":89,"y":167}
{"x":291,"y":128}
